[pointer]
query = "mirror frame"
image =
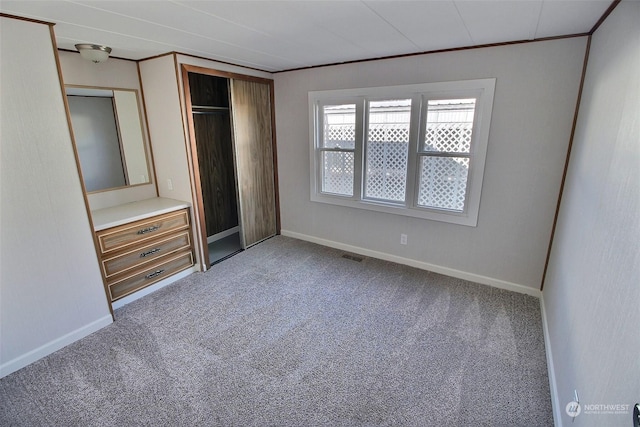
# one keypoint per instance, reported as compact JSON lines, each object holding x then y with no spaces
{"x":143,"y":127}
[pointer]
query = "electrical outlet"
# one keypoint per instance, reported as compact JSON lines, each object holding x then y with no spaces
{"x":169,"y":185}
{"x":403,"y":239}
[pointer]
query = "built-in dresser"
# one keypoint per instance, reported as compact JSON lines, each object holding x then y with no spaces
{"x":141,"y":243}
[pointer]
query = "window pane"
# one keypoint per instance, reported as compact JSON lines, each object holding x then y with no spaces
{"x":387,"y":149}
{"x":337,"y":172}
{"x":449,"y":125}
{"x":443,"y":182}
{"x":339,"y":126}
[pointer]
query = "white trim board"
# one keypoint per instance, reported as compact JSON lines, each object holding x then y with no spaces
{"x":53,"y":346}
{"x":553,"y":386}
{"x":63,"y":341}
{"x":223,"y":234}
{"x":484,"y":280}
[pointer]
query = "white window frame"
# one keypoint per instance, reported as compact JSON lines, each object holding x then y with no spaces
{"x":481,"y":89}
{"x":319,"y":122}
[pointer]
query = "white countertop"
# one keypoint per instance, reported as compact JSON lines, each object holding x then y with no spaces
{"x":134,"y":211}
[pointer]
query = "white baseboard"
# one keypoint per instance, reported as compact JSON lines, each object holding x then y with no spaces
{"x":55,"y":345}
{"x":555,"y":401}
{"x":223,"y":234}
{"x":149,"y":289}
{"x":496,"y":283}
{"x":52,"y":346}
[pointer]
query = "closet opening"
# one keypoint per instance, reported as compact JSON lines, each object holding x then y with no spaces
{"x":212,"y":120}
{"x":233,"y":161}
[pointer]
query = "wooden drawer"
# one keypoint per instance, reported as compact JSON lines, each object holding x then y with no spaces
{"x":124,"y":284}
{"x":140,"y":256}
{"x":139,"y":232}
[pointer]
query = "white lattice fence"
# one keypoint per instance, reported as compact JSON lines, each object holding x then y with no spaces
{"x":340,"y":136}
{"x":387,"y":150}
{"x":449,"y":137}
{"x":443,"y":182}
{"x":337,"y":173}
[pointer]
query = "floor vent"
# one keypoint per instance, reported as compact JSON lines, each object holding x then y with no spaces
{"x":352,"y":257}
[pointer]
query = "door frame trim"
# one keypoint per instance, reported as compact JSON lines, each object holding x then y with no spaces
{"x":194,"y":166}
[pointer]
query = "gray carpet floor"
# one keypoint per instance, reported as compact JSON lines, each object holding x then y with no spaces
{"x":288,"y":333}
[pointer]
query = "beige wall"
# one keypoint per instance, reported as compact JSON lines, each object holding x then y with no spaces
{"x":591,"y":297}
{"x":164,"y":112}
{"x":534,"y":104}
{"x":114,"y":73}
{"x":51,"y":291}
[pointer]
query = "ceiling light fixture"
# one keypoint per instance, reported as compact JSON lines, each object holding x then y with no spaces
{"x":93,"y":52}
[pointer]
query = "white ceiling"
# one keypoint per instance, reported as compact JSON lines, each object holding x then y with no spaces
{"x":279,"y":35}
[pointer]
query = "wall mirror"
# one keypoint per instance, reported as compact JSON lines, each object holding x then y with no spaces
{"x":109,"y":137}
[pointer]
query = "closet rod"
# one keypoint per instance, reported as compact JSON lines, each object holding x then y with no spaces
{"x":211,"y":112}
{"x":209,"y":108}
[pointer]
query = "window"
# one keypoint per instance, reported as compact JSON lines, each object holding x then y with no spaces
{"x":444,"y":154}
{"x":415,"y":150}
{"x":337,"y":148}
{"x":387,"y":150}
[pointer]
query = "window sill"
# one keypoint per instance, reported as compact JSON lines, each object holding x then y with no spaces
{"x":469,"y":219}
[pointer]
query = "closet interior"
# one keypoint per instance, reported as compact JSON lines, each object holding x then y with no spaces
{"x":211,"y":117}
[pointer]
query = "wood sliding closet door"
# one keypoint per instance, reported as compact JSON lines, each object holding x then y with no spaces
{"x":251,"y":111}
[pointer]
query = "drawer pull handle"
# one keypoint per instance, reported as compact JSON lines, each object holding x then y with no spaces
{"x":151,"y":252}
{"x":154,"y":274}
{"x":148,"y":229}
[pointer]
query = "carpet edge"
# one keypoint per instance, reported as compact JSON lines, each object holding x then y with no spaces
{"x":459,"y":274}
{"x":53,"y":346}
{"x":553,"y":386}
